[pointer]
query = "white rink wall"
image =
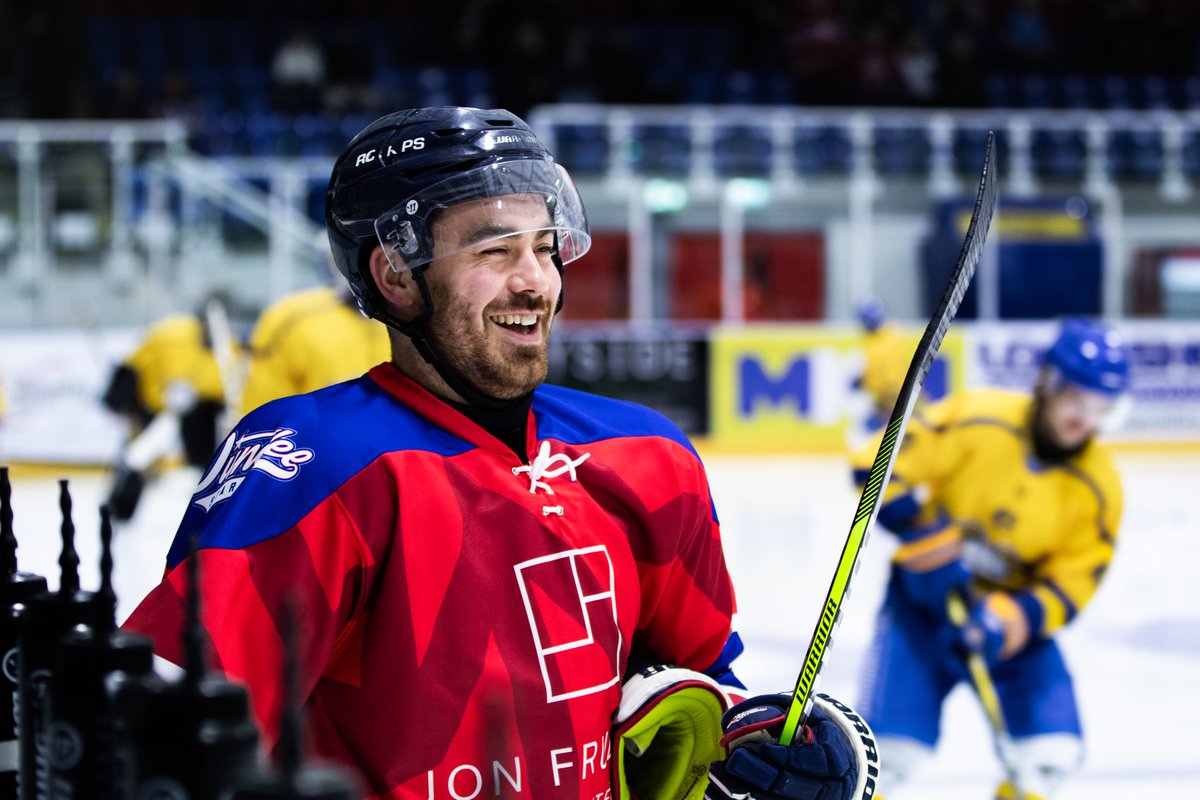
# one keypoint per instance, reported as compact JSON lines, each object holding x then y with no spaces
{"x":53,"y":379}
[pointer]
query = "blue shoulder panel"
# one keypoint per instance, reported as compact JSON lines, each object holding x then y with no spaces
{"x":579,"y":417}
{"x":287,"y":456}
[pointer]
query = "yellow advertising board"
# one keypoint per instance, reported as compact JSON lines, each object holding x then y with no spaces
{"x":793,"y":387}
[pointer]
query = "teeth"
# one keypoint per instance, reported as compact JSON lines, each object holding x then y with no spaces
{"x":515,"y":319}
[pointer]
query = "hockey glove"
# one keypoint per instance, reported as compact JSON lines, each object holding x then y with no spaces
{"x":995,"y":626}
{"x":668,"y":730}
{"x":834,"y":757}
{"x":125,"y":492}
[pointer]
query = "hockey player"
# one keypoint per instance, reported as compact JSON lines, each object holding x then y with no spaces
{"x":1008,"y":498}
{"x":885,"y":359}
{"x":307,"y":340}
{"x":172,"y":393}
{"x":490,"y":572}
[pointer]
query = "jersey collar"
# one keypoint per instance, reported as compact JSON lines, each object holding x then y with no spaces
{"x":441,"y":413}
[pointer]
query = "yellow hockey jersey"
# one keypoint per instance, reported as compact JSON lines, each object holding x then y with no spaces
{"x":173,"y":351}
{"x":308,"y":340}
{"x":966,"y":483}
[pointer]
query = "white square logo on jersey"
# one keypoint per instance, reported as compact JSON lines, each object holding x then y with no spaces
{"x":572,"y":612}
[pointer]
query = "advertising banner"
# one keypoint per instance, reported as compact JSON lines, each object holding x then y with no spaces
{"x":52,"y":383}
{"x":1164,"y":401}
{"x":794,"y":386}
{"x":665,"y":369}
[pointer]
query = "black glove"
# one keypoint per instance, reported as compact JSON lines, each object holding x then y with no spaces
{"x":125,"y":492}
{"x":833,"y":758}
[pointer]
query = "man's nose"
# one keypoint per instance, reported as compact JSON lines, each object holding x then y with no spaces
{"x":529,"y":274}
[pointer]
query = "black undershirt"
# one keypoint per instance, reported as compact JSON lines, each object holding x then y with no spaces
{"x":507,"y":423}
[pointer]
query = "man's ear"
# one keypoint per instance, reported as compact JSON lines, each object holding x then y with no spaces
{"x":397,"y":286}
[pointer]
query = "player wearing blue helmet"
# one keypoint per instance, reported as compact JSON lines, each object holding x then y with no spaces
{"x":886,"y":352}
{"x":1005,"y":498}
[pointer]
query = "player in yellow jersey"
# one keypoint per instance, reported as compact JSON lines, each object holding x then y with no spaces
{"x":307,"y":340}
{"x":1007,"y":497}
{"x":885,"y":360}
{"x":172,"y":393}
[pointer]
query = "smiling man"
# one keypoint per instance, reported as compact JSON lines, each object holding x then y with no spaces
{"x":504,"y":588}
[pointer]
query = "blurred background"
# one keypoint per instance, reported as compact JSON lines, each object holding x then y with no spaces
{"x":753,"y":174}
{"x":773,"y":167}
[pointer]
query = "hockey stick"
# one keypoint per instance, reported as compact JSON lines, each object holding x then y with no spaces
{"x":881,"y":469}
{"x":985,"y":689}
{"x":228,"y":364}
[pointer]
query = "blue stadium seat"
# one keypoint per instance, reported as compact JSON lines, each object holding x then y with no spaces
{"x":1135,"y":155}
{"x":435,"y":87}
{"x":349,"y":125}
{"x":822,"y":150}
{"x":902,"y":151}
{"x":779,"y":90}
{"x":1155,"y":92}
{"x":1191,"y":153}
{"x":314,"y":203}
{"x":316,"y":135}
{"x":1000,"y":91}
{"x":582,"y":148}
{"x":1034,"y":91}
{"x":740,"y":87}
{"x":661,"y":150}
{"x":476,"y":87}
{"x":742,"y":151}
{"x":1074,"y":90}
{"x":269,"y":134}
{"x":1190,"y":89}
{"x":1116,"y":92}
{"x":1059,"y":154}
{"x":700,"y":87}
{"x":968,"y":150}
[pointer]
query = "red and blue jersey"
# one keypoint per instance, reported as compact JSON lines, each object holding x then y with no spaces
{"x":464,"y":618}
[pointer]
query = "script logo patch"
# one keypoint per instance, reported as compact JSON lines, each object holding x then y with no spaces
{"x":273,"y":452}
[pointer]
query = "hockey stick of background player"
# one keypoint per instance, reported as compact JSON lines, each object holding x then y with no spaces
{"x":985,"y":689}
{"x":220,"y":331}
{"x":881,"y":469}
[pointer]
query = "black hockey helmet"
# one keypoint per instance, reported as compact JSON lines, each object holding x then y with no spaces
{"x":404,"y":167}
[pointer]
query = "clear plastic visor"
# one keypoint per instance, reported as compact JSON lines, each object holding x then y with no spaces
{"x":497,"y":201}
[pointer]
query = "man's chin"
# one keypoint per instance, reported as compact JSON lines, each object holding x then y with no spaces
{"x":518,"y":382}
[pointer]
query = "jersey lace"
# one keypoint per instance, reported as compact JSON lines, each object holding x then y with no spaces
{"x":548,"y":466}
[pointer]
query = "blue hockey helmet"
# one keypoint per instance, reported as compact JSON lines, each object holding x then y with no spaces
{"x":871,"y":313}
{"x":399,"y":171}
{"x":1091,"y":355}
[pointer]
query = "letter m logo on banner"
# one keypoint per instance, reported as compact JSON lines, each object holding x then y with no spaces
{"x":572,"y":612}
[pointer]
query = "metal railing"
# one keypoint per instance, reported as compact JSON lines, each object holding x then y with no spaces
{"x":1038,"y":145}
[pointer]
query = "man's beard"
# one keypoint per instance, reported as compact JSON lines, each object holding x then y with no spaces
{"x":1045,"y":446}
{"x":488,"y":365}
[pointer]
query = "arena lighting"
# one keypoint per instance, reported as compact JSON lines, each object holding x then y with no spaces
{"x":662,"y":196}
{"x":748,"y":193}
